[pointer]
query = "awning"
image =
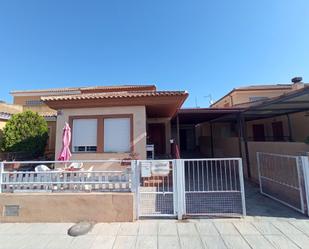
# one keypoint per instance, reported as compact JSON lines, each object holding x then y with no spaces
{"x":200,"y":115}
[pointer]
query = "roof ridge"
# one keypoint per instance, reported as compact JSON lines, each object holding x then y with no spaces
{"x":63,"y":89}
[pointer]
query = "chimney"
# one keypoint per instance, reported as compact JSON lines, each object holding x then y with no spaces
{"x":297,"y":83}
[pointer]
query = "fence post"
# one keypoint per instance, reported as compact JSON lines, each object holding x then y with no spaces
{"x":305,"y":167}
{"x":242,"y":188}
{"x":258,"y":154}
{"x":1,"y":175}
{"x":135,"y":178}
{"x":179,"y":165}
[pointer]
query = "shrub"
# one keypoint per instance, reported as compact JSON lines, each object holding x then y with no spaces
{"x":25,"y":132}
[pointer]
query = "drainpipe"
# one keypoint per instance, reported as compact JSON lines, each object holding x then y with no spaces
{"x":177,"y":130}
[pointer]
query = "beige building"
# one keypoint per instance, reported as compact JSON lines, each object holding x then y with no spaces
{"x":141,"y":114}
{"x":249,"y":95}
{"x":115,"y":122}
{"x":247,"y":120}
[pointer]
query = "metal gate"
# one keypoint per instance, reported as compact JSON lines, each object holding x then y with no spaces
{"x":189,"y":187}
{"x":284,"y":178}
{"x":155,"y":188}
{"x":214,"y":187}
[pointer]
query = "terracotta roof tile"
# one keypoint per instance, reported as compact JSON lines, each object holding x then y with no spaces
{"x":113,"y":95}
{"x":68,"y":89}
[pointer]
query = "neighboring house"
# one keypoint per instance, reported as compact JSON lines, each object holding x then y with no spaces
{"x":277,"y":122}
{"x":6,"y":111}
{"x":246,"y":96}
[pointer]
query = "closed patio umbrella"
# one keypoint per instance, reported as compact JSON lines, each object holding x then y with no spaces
{"x":65,"y":154}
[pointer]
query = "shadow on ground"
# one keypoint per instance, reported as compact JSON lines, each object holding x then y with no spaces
{"x":260,"y":205}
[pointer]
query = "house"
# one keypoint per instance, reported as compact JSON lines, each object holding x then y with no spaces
{"x":268,"y":118}
{"x":6,"y":111}
{"x":112,"y":122}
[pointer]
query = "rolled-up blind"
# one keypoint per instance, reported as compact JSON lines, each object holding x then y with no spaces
{"x":117,"y":135}
{"x":84,"y":132}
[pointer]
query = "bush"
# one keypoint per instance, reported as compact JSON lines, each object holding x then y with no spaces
{"x":25,"y":132}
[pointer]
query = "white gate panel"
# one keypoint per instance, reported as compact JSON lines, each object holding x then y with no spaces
{"x":155,"y":190}
{"x":282,"y":179}
{"x":214,"y":187}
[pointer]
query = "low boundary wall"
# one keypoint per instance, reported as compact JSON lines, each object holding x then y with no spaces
{"x":66,"y":207}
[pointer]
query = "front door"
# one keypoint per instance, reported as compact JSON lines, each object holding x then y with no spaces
{"x":156,"y":136}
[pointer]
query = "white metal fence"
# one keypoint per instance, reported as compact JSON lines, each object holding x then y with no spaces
{"x":156,"y":193}
{"x":214,"y":187}
{"x":182,"y":187}
{"x":190,"y":187}
{"x":63,"y":178}
{"x":285,"y":179}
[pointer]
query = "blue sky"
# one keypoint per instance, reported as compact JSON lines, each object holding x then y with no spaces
{"x":205,"y":47}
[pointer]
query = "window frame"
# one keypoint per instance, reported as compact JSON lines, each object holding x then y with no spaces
{"x":100,"y":131}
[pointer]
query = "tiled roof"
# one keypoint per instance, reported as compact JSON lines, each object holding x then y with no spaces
{"x":48,"y":114}
{"x":113,"y":95}
{"x":68,"y":89}
{"x":280,"y":86}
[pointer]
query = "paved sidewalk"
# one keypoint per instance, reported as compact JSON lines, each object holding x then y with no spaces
{"x":164,"y":234}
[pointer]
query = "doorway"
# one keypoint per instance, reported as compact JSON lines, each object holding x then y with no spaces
{"x":156,"y":136}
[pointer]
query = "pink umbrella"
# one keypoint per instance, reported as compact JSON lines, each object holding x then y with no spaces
{"x":65,"y":154}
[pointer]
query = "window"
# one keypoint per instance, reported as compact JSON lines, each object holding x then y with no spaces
{"x":84,"y":137}
{"x":34,"y":102}
{"x":258,"y":132}
{"x":277,"y":128}
{"x":117,"y":135}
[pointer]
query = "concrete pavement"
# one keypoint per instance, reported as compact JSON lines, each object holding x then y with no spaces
{"x":163,"y":234}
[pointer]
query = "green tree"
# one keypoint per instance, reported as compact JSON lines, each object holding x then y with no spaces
{"x":25,"y":132}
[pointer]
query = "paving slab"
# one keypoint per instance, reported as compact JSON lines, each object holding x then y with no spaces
{"x":50,"y":228}
{"x":17,"y":228}
{"x":168,"y":242}
{"x":166,"y":228}
{"x":128,"y":229}
{"x":125,"y":242}
{"x":301,"y":225}
{"x":56,"y":241}
{"x":150,"y":228}
{"x":103,"y":242}
{"x":213,"y":242}
{"x":105,"y":229}
{"x":40,"y":241}
{"x":207,"y":228}
{"x":192,"y":242}
{"x":186,"y":229}
{"x":280,"y":242}
{"x":258,"y":241}
{"x":82,"y":242}
{"x":146,"y":242}
{"x":299,"y":239}
{"x":266,"y":228}
{"x":245,"y":228}
{"x":9,"y":241}
{"x":235,"y":242}
{"x":286,"y":228}
{"x":226,"y":228}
